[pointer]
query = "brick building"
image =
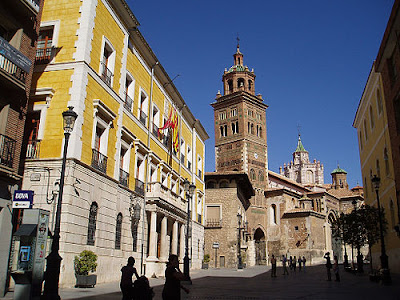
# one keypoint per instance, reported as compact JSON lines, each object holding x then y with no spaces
{"x":227,"y":196}
{"x":290,"y":213}
{"x":19,"y":27}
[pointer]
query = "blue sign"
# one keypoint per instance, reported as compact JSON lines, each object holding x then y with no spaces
{"x":23,"y":199}
{"x":14,"y":55}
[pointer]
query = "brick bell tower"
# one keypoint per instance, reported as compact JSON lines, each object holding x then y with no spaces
{"x":240,"y":125}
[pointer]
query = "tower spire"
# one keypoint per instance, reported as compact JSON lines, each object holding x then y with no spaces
{"x":238,"y":56}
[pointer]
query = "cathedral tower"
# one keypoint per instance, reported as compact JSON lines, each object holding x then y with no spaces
{"x":301,"y":170}
{"x":240,"y":125}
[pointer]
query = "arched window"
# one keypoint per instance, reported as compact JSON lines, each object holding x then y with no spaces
{"x":92,"y":224}
{"x":273,"y":214}
{"x":378,"y":169}
{"x":365,"y":130}
{"x":260,"y":176}
{"x":210,"y":185}
{"x":240,"y":83}
{"x":118,"y":230}
{"x":371,"y":117}
{"x":386,"y":159}
{"x":250,"y":84}
{"x":391,"y":208}
{"x":252,"y":174}
{"x":370,"y":177}
{"x":224,"y":184}
{"x":379,"y":101}
{"x":230,"y":86}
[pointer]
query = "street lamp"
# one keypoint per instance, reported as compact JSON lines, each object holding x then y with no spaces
{"x":189,"y":190}
{"x":346,"y":258}
{"x":386,"y":279}
{"x":239,"y":254}
{"x":52,"y":274}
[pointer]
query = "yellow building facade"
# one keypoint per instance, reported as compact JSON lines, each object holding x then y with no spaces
{"x":376,"y":159}
{"x":123,"y":193}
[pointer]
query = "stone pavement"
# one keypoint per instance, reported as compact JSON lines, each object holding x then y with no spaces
{"x":256,"y":283}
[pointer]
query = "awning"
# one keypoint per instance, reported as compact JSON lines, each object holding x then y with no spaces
{"x":26,"y":230}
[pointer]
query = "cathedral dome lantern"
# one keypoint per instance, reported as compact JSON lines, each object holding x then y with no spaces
{"x":300,"y":155}
{"x":339,"y":179}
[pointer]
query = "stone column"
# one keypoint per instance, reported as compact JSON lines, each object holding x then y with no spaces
{"x":182,"y":243}
{"x":163,"y":240}
{"x":153,"y":236}
{"x":174,"y":249}
{"x":328,"y":233}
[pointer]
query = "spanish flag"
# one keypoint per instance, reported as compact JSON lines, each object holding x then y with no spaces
{"x":172,"y":122}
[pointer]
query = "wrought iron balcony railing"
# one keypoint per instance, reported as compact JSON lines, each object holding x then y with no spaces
{"x":99,"y":161}
{"x":155,"y":129}
{"x":139,"y":186}
{"x":128,"y":104}
{"x":143,"y":117}
{"x":33,"y":149}
{"x":123,"y":177}
{"x":7,"y":150}
{"x":106,"y":74}
{"x":44,"y":55}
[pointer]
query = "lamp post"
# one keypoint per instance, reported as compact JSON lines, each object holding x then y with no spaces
{"x":52,"y":274}
{"x":239,"y":254}
{"x":189,"y":190}
{"x":386,"y":279}
{"x":346,"y":258}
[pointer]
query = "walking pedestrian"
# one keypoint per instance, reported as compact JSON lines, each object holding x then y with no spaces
{"x":290,"y":262}
{"x":304,"y":263}
{"x":126,"y":279}
{"x":284,"y":261}
{"x":336,"y":268}
{"x":294,"y":264}
{"x":328,"y":265}
{"x":299,"y":261}
{"x":273,"y":263}
{"x":173,"y":278}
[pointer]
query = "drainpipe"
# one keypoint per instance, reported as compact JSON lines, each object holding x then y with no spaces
{"x":146,"y":179}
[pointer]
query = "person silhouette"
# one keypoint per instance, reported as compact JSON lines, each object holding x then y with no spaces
{"x":126,"y":284}
{"x":336,"y":268}
{"x":173,"y":278}
{"x":284,"y":261}
{"x":273,"y":264}
{"x":328,"y":265}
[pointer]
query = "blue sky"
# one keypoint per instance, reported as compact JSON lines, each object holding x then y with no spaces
{"x":311,"y":58}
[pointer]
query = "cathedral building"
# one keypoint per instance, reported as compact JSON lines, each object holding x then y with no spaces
{"x":301,"y":170}
{"x":289,"y":213}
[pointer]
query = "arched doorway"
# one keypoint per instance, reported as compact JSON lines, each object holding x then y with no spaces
{"x":260,"y":245}
{"x":335,"y":242}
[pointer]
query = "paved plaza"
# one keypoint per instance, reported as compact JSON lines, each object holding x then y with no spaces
{"x":256,"y":283}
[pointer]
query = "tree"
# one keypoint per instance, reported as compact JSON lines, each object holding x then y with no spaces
{"x":370,"y":217}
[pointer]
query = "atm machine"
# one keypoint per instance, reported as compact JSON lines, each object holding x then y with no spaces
{"x":29,"y":252}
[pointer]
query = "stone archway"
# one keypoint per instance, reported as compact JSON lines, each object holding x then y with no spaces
{"x":335,"y":242}
{"x":260,"y":247}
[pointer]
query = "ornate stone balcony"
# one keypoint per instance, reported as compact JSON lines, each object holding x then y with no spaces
{"x":157,"y":190}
